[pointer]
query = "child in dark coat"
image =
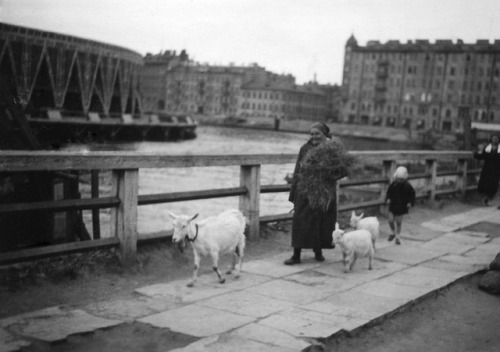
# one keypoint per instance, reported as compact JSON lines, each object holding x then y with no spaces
{"x":400,"y":196}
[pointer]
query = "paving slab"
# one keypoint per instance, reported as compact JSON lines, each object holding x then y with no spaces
{"x":230,"y":343}
{"x":417,"y":232}
{"x":435,"y":272}
{"x":446,"y":245}
{"x":129,"y":309}
{"x":205,"y":287}
{"x":246,"y":303}
{"x":322,"y":282}
{"x":456,"y":266}
{"x":360,"y":273}
{"x":385,"y":289}
{"x":275,"y":269}
{"x":303,"y":323}
{"x":11,"y":343}
{"x":407,"y":253}
{"x":55,"y":324}
{"x":366,"y":305}
{"x":463,"y":260}
{"x":347,"y":317}
{"x":270,"y":336}
{"x":288,"y":291}
{"x":196,"y":320}
{"x":461,"y":220}
{"x":483,"y":254}
{"x":427,"y":283}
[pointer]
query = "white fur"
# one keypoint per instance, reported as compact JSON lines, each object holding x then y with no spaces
{"x":220,"y":234}
{"x":370,"y":223}
{"x":354,"y":244}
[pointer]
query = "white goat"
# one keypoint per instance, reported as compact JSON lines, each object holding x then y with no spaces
{"x":370,"y":223}
{"x":354,"y":244}
{"x":213,"y":236}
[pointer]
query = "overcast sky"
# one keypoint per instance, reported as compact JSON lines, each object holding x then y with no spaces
{"x":299,"y":37}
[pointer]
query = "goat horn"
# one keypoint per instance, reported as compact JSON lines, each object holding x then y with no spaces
{"x":172,"y":215}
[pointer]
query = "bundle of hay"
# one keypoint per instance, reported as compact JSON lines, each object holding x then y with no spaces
{"x":321,"y":168}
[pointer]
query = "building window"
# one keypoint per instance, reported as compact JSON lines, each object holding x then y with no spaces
{"x":447,"y":126}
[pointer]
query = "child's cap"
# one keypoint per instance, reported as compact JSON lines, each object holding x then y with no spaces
{"x":401,"y":172}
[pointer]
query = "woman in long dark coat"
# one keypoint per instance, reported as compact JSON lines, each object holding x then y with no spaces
{"x":311,"y":228}
{"x":490,"y":173}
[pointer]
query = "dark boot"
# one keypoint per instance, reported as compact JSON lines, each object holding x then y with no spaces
{"x":318,"y":255}
{"x":295,"y":259}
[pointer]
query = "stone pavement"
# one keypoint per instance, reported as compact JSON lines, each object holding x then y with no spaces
{"x":273,"y":307}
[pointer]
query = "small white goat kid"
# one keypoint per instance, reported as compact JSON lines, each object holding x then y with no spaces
{"x":213,"y":236}
{"x":354,"y":244}
{"x":370,"y":223}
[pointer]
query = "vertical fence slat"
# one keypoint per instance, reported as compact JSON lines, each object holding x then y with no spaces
{"x":388,"y":169}
{"x":124,"y":217}
{"x":250,"y":202}
{"x":462,"y":178}
{"x":431,"y":166}
{"x":94,"y":181}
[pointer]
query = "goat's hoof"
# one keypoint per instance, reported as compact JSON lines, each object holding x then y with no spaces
{"x":191,"y":284}
{"x":221,"y":281}
{"x":237,"y":276}
{"x":229,"y":272}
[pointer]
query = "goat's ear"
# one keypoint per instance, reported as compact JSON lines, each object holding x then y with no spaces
{"x":353,"y":214}
{"x":361,"y":215}
{"x":336,"y":226}
{"x":194,"y":217}
{"x":172,"y":215}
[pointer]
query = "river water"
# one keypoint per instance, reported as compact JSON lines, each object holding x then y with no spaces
{"x":218,"y":140}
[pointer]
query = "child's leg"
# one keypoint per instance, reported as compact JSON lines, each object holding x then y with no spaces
{"x":399,"y":222}
{"x":392,"y":225}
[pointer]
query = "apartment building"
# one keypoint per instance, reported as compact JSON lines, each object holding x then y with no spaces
{"x":421,"y":85}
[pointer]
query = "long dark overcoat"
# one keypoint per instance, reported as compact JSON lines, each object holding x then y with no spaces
{"x":490,"y":173}
{"x":311,"y":228}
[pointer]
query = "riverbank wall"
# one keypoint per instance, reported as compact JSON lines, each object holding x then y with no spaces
{"x":432,"y":140}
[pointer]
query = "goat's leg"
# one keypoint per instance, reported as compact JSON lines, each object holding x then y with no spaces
{"x":370,"y":259}
{"x":232,"y":266}
{"x":347,"y":262}
{"x":215,"y":266}
{"x":239,"y":254}
{"x":353,"y":261}
{"x":196,"y":267}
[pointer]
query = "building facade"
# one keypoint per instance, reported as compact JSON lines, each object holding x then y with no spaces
{"x":177,"y":85}
{"x":421,"y":85}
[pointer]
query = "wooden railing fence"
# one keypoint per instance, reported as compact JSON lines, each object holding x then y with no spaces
{"x":125,"y":197}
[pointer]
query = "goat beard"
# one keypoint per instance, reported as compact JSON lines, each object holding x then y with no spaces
{"x":181,"y":245}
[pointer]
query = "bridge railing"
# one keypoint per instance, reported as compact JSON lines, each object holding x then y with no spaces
{"x":125,"y":197}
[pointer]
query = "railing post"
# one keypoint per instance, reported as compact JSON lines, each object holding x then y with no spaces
{"x":250,"y":202}
{"x":431,"y":168}
{"x":124,"y":217}
{"x":462,"y":178}
{"x":388,"y":169}
{"x":94,"y":181}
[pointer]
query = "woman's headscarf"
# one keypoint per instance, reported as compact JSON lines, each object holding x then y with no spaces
{"x":401,"y":173}
{"x":322,"y":127}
